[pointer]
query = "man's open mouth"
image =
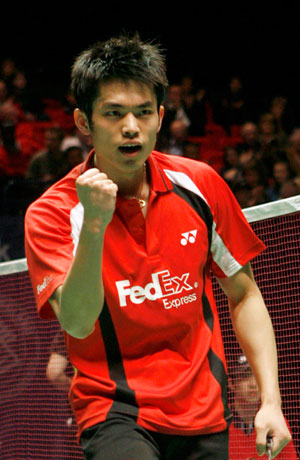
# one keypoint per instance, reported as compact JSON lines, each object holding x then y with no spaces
{"x":130,"y":148}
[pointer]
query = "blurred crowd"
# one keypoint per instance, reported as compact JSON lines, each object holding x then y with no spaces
{"x":253,"y":143}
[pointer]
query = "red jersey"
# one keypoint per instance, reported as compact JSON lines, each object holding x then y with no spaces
{"x":156,"y":352}
{"x":242,"y":445}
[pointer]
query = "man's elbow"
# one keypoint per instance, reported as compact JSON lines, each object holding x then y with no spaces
{"x":81,"y":332}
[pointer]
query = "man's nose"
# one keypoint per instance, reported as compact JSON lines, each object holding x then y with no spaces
{"x":130,"y":127}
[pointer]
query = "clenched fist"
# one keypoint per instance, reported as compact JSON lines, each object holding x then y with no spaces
{"x":97,"y":195}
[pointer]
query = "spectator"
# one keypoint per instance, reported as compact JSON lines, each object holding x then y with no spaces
{"x":47,"y":166}
{"x":254,"y":177}
{"x":282,"y":114}
{"x":174,"y":110}
{"x":290,"y":188}
{"x":178,"y":138}
{"x":233,"y":108}
{"x":293,"y":151}
{"x":282,"y":174}
{"x":250,"y":146}
{"x":80,"y":140}
{"x":272,"y":142}
{"x":72,"y":157}
{"x":231,"y":172}
{"x":58,"y":369}
{"x":195,"y":106}
{"x":8,"y":71}
{"x":27,"y":100}
{"x":9,"y":113}
{"x":196,"y":110}
{"x":242,"y":192}
{"x":245,"y":404}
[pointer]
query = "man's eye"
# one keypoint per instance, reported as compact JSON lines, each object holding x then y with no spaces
{"x":145,"y":112}
{"x":113,"y":113}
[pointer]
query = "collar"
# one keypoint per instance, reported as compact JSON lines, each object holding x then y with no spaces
{"x":159,"y":181}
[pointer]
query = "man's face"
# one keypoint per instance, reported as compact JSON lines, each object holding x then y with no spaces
{"x":125,"y":123}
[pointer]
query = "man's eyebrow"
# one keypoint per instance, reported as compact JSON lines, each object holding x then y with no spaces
{"x":119,"y":106}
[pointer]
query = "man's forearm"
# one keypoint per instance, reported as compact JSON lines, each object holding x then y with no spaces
{"x":255,"y":333}
{"x":80,"y":298}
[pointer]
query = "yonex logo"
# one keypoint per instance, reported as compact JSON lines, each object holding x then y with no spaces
{"x":188,"y":237}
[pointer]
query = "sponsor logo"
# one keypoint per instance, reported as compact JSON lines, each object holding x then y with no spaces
{"x":46,"y":281}
{"x":188,"y":237}
{"x":162,"y":285}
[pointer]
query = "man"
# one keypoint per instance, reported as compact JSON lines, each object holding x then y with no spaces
{"x":46,"y":165}
{"x":121,"y":251}
{"x":245,"y":404}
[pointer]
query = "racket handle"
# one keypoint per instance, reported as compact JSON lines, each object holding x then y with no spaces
{"x":269,"y":447}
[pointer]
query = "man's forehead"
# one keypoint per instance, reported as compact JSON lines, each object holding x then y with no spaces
{"x":122,"y":92}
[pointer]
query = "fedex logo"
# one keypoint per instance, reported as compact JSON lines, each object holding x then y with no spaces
{"x":162,"y":285}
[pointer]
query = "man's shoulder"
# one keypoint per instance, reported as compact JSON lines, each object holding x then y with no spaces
{"x":59,"y":197}
{"x":181,"y":164}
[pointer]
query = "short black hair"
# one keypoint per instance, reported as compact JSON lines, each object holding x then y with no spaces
{"x":119,"y":58}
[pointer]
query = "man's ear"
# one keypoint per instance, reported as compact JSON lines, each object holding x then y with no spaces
{"x":161,"y":113}
{"x":81,"y":122}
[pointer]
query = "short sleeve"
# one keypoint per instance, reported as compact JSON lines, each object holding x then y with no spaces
{"x":49,"y":250}
{"x":234,"y":242}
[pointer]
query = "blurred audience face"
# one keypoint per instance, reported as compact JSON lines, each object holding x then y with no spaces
{"x":266,"y":125}
{"x":252,"y":176}
{"x":187,"y":85}
{"x":246,"y":390}
{"x":178,"y":131}
{"x":231,"y":157}
{"x":20,"y":81}
{"x":235,"y":85}
{"x":278,"y":106}
{"x":281,"y":172}
{"x":175,"y":95}
{"x":8,"y":67}
{"x":249,"y":133}
{"x":53,"y":140}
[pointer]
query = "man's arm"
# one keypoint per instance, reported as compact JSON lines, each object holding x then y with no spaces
{"x":79,"y":301}
{"x":255,"y":334}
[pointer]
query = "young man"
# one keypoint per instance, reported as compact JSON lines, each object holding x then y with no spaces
{"x":121,"y":251}
{"x":245,"y":404}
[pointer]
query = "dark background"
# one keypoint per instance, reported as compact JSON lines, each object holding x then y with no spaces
{"x":211,"y":43}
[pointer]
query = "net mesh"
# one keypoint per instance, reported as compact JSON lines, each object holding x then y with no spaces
{"x":35,"y":417}
{"x":277,"y":273}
